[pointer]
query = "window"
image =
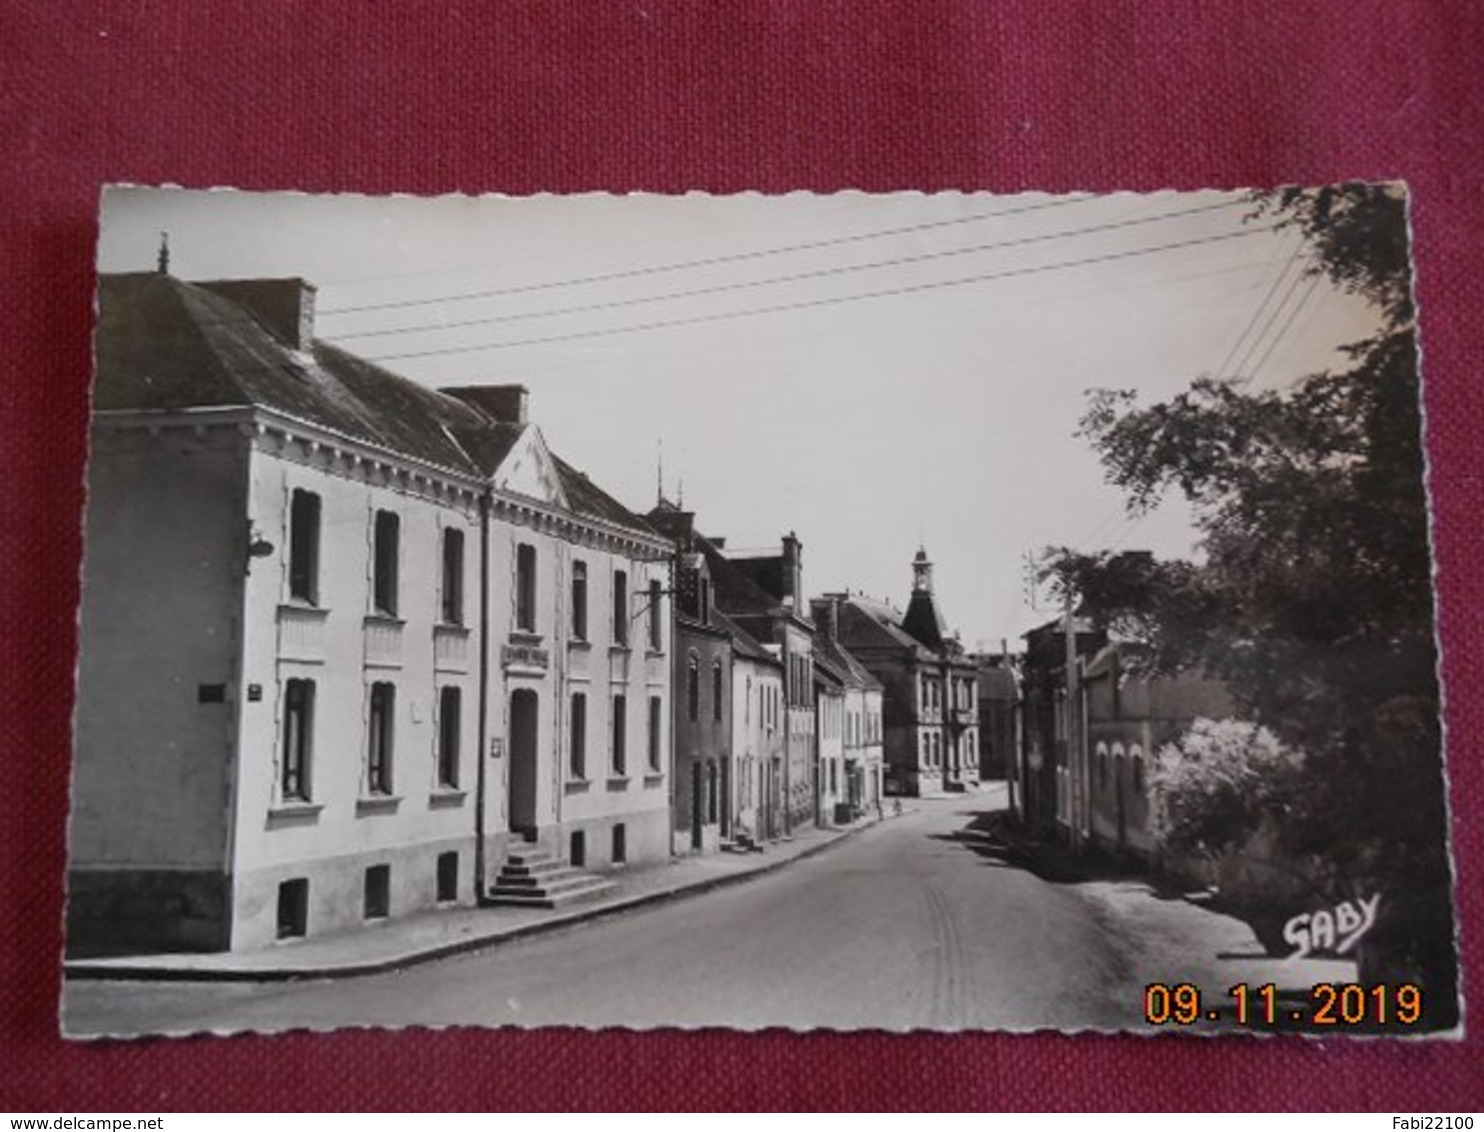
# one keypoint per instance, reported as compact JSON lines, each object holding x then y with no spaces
{"x":298,"y":739}
{"x":387,"y":537}
{"x":656,"y":736}
{"x":579,"y":601}
{"x":304,"y":519}
{"x":293,"y":908}
{"x":620,"y":607}
{"x":525,"y":588}
{"x":620,"y":843}
{"x":379,"y":739}
{"x":693,"y":688}
{"x":450,"y":712}
{"x":620,"y":729}
{"x":747,"y":703}
{"x":378,"y":892}
{"x":716,"y":690}
{"x":656,"y":625}
{"x":577,"y":849}
{"x":453,"y":576}
{"x":448,"y":876}
{"x":703,"y":602}
{"x":578,"y":757}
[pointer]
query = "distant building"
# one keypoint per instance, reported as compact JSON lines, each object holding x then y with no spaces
{"x":1130,"y":716}
{"x":860,"y":743}
{"x":1046,"y":722}
{"x":758,"y":749}
{"x":702,"y":677}
{"x":763,"y":594}
{"x":999,"y":717}
{"x":346,"y":641}
{"x":928,"y":686}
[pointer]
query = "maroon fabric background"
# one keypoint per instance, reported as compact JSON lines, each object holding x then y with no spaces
{"x":524,"y":97}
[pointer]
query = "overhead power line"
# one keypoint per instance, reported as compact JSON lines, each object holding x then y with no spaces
{"x":1287,"y":325}
{"x":794,"y":277}
{"x":781,"y":308}
{"x":1225,"y":367}
{"x":1273,"y":315}
{"x":709,"y":261}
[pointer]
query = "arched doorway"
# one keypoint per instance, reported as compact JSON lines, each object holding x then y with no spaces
{"x":524,"y":709}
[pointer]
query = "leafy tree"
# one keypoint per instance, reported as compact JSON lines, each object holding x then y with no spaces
{"x":1313,"y":596}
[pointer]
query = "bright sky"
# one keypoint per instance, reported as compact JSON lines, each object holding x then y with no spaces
{"x":869,"y":371}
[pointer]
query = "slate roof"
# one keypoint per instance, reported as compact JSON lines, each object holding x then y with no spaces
{"x":167,"y":344}
{"x":866,"y":623}
{"x":732,"y":589}
{"x":998,"y":683}
{"x":852,"y":672}
{"x":743,"y":642}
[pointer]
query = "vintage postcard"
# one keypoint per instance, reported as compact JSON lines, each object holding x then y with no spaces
{"x":852,"y":612}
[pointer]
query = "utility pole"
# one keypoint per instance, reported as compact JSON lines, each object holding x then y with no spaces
{"x":1075,"y":752}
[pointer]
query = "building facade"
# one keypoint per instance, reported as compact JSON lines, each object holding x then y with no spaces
{"x":929,"y":694}
{"x":326,"y":635}
{"x":1130,"y":716}
{"x":757,"y":739}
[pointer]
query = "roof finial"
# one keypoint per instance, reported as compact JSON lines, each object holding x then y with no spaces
{"x":680,"y":494}
{"x":659,"y":472}
{"x":163,"y":263}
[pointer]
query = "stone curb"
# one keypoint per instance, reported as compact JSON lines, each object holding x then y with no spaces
{"x":86,"y":970}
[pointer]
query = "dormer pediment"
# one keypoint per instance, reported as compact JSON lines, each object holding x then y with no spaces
{"x":528,"y":469}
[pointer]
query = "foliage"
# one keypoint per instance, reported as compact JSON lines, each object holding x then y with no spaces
{"x":1313,"y":597}
{"x":1212,"y":788}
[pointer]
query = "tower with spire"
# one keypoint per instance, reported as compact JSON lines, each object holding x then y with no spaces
{"x":924,"y":621}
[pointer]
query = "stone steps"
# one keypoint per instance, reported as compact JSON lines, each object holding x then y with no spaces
{"x":534,"y":878}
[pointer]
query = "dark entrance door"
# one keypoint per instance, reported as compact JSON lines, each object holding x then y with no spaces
{"x":697,"y":801}
{"x":523,"y":719}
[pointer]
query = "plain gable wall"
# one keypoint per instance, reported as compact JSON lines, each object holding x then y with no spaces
{"x":164,"y":562}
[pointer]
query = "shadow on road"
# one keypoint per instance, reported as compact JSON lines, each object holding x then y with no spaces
{"x":991,"y":835}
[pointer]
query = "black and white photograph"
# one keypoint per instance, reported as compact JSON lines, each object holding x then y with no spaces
{"x":891,"y":612}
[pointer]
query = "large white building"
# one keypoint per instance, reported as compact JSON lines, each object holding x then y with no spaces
{"x":346,"y":641}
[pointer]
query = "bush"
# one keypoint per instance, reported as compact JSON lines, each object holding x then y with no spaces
{"x":1215,"y":786}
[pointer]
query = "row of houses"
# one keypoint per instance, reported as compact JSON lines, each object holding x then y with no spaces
{"x":353,"y":648}
{"x":1079,"y":723}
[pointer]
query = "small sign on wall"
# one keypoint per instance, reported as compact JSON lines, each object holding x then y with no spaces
{"x":497,"y":747}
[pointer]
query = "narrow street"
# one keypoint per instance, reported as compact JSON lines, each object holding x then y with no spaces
{"x":904,"y":925}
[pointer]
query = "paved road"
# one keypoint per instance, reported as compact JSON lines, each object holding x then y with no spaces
{"x":899,"y":927}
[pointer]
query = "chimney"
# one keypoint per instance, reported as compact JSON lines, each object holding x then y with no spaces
{"x":283,"y":307}
{"x":825,"y":612}
{"x":500,"y":404}
{"x":793,"y":571}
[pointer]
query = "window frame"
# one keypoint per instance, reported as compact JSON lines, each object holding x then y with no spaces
{"x":450,"y":735}
{"x":297,"y":757}
{"x":451,"y":600}
{"x":621,"y":608}
{"x":619,"y":754}
{"x":579,"y":600}
{"x":656,"y":626}
{"x":656,"y":734}
{"x":525,"y":587}
{"x":693,"y":687}
{"x":386,"y":554}
{"x":577,"y":737}
{"x":306,"y":522}
{"x":381,"y":715}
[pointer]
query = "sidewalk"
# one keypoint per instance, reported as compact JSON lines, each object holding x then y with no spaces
{"x":394,"y":944}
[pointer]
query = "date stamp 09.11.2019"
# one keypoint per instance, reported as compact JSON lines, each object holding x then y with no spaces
{"x":1378,"y":1007}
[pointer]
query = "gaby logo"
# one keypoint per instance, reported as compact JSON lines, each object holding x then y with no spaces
{"x":1334,"y":930}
